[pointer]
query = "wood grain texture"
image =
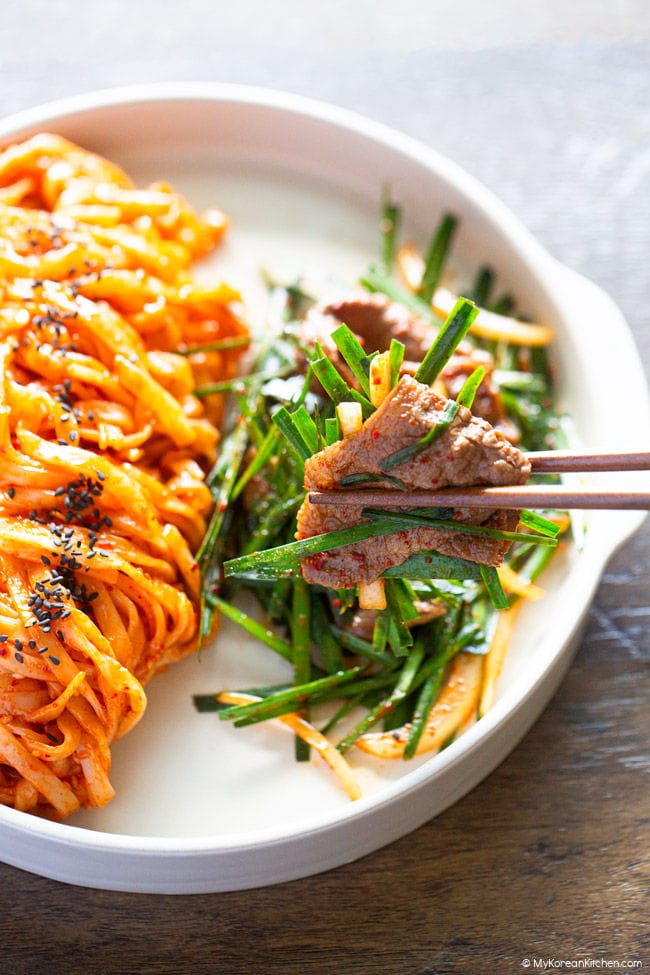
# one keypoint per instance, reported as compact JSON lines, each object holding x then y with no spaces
{"x":549,"y":856}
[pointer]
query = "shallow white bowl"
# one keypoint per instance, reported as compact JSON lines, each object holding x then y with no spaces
{"x":200,"y":806}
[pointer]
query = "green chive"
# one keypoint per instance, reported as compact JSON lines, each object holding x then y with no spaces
{"x":286,"y":422}
{"x":271,"y":562}
{"x":354,"y":355}
{"x":336,"y":387}
{"x":401,"y":689}
{"x":355,"y":644}
{"x":307,"y":429}
{"x":494,"y":588}
{"x":470,"y":388}
{"x":424,"y":703}
{"x":436,"y":257}
{"x":433,"y":565}
{"x":539,"y":524}
{"x":264,"y":452}
{"x":293,"y":697}
{"x":257,"y":630}
{"x":452,"y":332}
{"x":220,"y":345}
{"x":301,"y":637}
{"x":365,"y":478}
{"x":480,"y":292}
{"x":228,"y":385}
{"x":405,"y":520}
{"x":389,"y":223}
{"x":322,"y":633}
{"x":332,"y":430}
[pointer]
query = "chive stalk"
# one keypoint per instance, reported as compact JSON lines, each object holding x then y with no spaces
{"x":388,"y":226}
{"x":436,"y":257}
{"x":401,"y":689}
{"x":455,"y":328}
{"x":301,"y":638}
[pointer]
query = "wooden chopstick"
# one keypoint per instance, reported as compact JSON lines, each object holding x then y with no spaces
{"x":588,"y":461}
{"x":517,"y":495}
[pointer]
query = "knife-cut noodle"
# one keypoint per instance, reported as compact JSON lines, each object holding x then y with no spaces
{"x":103,"y":451}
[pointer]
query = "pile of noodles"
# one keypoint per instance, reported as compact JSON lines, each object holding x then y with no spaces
{"x":103,"y":450}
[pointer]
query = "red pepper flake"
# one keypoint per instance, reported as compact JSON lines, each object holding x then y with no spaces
{"x":375,"y":434}
{"x":336,"y":602}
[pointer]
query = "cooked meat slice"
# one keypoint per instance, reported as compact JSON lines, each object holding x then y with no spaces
{"x":376,"y":320}
{"x":468,"y":452}
{"x":346,"y":567}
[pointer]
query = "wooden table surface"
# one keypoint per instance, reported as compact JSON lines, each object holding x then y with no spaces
{"x":547,"y":858}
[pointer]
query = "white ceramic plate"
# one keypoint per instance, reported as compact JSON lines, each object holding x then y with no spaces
{"x":201,"y":806}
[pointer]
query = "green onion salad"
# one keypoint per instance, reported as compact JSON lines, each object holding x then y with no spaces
{"x":346,"y":680}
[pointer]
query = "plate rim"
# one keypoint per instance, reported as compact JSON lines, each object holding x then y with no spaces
{"x":544,"y":266}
